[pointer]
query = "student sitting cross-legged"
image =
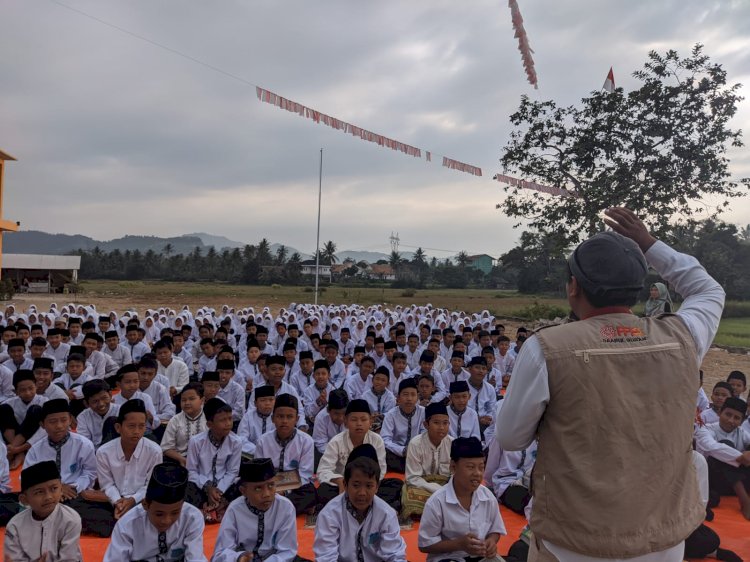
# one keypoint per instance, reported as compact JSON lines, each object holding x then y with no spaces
{"x":358,"y":526}
{"x":260,"y":524}
{"x":291,"y":451}
{"x":48,"y":530}
{"x":258,"y":420}
{"x":401,"y":425}
{"x":427,"y":461}
{"x":329,"y":422}
{"x":163,"y":528}
{"x":461,"y":521}
{"x":213,"y":461}
{"x":20,"y":417}
{"x":189,"y":422}
{"x":464,"y":420}
{"x":97,"y":421}
{"x":123,"y":468}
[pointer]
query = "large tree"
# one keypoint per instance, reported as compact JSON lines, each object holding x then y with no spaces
{"x":660,"y":149}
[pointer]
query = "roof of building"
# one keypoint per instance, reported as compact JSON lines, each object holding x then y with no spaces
{"x":39,"y":261}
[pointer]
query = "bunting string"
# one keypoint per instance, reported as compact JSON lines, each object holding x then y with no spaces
{"x":461,"y":167}
{"x":523,"y":184}
{"x":523,"y":43}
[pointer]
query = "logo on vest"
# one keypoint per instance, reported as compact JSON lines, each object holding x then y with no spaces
{"x":621,"y":334}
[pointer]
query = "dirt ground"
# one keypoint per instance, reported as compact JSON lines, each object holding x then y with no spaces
{"x":716,"y":365}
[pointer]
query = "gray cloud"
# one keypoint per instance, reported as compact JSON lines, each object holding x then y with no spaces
{"x":115,"y":135}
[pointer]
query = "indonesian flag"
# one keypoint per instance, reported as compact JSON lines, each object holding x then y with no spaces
{"x":609,"y":83}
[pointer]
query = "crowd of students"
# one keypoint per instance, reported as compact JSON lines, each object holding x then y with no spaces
{"x":144,"y":428}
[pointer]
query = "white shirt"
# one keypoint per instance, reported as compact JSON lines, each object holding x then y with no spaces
{"x":119,"y":399}
{"x":484,"y":400}
{"x":355,"y":387}
{"x":239,"y":532}
{"x":709,"y":416}
{"x":121,"y":478}
{"x":77,"y":460}
{"x":234,"y":395}
{"x":379,"y":404}
{"x":301,"y":381}
{"x":424,"y":459}
{"x":58,"y":535}
{"x":135,"y":538}
{"x":20,"y":407}
{"x":337,"y":533}
{"x":66,"y":382}
{"x":54,"y":392}
{"x":165,"y":408}
{"x":6,"y":385}
{"x":324,"y":430}
{"x":469,"y":423}
{"x":201,"y":453}
{"x":338,"y":373}
{"x":251,"y":428}
{"x":4,"y":469}
{"x":333,"y":461}
{"x":396,"y":428}
{"x":90,"y":424}
{"x":176,"y":372}
{"x":120,"y":355}
{"x":707,"y":442}
{"x":444,"y":518}
{"x":448,"y":377}
{"x":298,"y":453}
{"x":528,"y":393}
{"x":310,"y":399}
{"x":179,"y":431}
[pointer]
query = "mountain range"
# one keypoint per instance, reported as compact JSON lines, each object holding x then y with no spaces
{"x":38,"y":242}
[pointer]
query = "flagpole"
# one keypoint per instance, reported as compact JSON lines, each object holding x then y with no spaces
{"x":317,"y":240}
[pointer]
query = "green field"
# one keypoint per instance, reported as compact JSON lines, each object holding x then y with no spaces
{"x":120,"y":295}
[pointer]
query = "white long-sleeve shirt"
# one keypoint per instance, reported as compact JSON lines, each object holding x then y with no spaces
{"x":121,"y":478}
{"x":179,"y":431}
{"x":135,"y":538}
{"x":424,"y":459}
{"x":201,"y":465}
{"x":91,"y":424}
{"x":59,"y":535}
{"x":240,"y":530}
{"x":707,"y":442}
{"x":77,"y":460}
{"x":525,"y":401}
{"x":395,"y":429}
{"x":298,"y":453}
{"x":337,"y":452}
{"x":337,"y":533}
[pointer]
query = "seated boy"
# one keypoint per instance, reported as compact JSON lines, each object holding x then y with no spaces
{"x":456,"y":372}
{"x":73,"y":454}
{"x":123,"y":468}
{"x":95,"y":421}
{"x":401,"y":424}
{"x":464,"y":420}
{"x":9,"y":505}
{"x":188,"y":423}
{"x":427,"y":461}
{"x":427,"y":394}
{"x":291,"y":451}
{"x":257,"y":421}
{"x":483,"y":399}
{"x":358,"y":525}
{"x":20,"y":417}
{"x":213,"y":461}
{"x":358,"y":422}
{"x":211,"y":385}
{"x":129,"y":381}
{"x":174,"y":369}
{"x":508,"y":475}
{"x":378,"y":397}
{"x":725,"y":445}
{"x":359,"y":382}
{"x":48,"y":530}
{"x":302,"y":377}
{"x":159,"y":394}
{"x":739,"y":383}
{"x":43,"y":374}
{"x":722,"y":390}
{"x":329,"y":422}
{"x":259,"y":525}
{"x":275,"y":378}
{"x":461,"y":520}
{"x":230,"y":392}
{"x":163,"y":528}
{"x":315,"y":397}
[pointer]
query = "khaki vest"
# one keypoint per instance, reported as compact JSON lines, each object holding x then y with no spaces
{"x":614,"y":477}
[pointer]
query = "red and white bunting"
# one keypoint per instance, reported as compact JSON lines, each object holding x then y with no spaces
{"x":461,"y":167}
{"x":523,"y":184}
{"x":523,"y":43}
{"x":308,"y":113}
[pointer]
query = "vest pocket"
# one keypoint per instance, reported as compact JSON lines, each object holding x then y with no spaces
{"x":586,"y":354}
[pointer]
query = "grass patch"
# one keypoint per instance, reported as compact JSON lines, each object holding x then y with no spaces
{"x":734,"y":332}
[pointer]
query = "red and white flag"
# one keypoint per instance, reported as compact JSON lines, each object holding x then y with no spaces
{"x":609,"y":83}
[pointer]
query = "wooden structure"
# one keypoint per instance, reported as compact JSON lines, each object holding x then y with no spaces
{"x":5,"y":225}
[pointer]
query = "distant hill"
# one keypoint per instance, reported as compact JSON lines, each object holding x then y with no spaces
{"x":37,"y":242}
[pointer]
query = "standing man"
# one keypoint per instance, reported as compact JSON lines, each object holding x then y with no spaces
{"x":612,"y":400}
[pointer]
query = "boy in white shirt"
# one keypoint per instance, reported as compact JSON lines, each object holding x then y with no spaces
{"x":123,"y":468}
{"x":291,"y":451}
{"x":378,"y":397}
{"x":188,"y":423}
{"x":20,"y":416}
{"x":163,"y":528}
{"x":118,"y":353}
{"x":461,"y":520}
{"x":722,"y":390}
{"x":257,"y":420}
{"x":358,"y":525}
{"x":359,"y":382}
{"x":464,"y":420}
{"x":165,"y":408}
{"x":231,"y":392}
{"x":260,"y":524}
{"x":302,"y":377}
{"x":97,"y":421}
{"x":329,"y":422}
{"x":315,"y":397}
{"x":483,"y":399}
{"x":427,"y":461}
{"x":401,"y":425}
{"x":175,"y":370}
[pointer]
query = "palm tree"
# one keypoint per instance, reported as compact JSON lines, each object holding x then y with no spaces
{"x":462,"y":259}
{"x":419,"y":257}
{"x":328,"y":253}
{"x":168,"y":249}
{"x":394,"y":260}
{"x":281,"y":253}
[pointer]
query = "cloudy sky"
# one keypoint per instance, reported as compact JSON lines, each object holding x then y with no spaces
{"x":116,"y":136}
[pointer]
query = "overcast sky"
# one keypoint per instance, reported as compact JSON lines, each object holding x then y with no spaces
{"x":117,"y":136}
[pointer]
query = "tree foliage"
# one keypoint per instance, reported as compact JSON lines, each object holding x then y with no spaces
{"x":660,"y":149}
